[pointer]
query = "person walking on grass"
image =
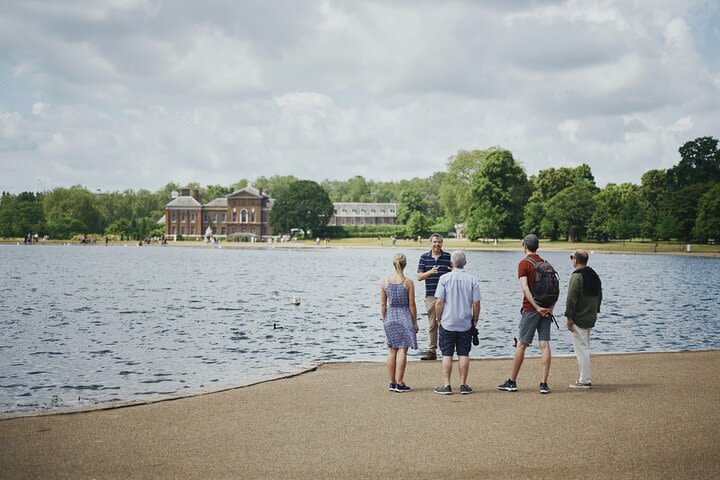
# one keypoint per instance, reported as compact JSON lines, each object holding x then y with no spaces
{"x":583,"y":304}
{"x":534,"y":318}
{"x":458,"y":309}
{"x":399,"y":316}
{"x":433,"y":265}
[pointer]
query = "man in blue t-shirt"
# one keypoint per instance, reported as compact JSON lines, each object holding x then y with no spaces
{"x":432,"y":266}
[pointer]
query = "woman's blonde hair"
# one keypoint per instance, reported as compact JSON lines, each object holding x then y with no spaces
{"x":399,"y":261}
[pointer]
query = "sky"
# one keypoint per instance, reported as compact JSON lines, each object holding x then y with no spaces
{"x":131,"y":94}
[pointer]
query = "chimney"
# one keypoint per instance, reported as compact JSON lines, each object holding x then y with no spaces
{"x":184,"y":192}
{"x":196,"y":195}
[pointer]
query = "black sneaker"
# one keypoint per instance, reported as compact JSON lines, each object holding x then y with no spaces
{"x":401,"y":387}
{"x":508,"y":386}
{"x":544,"y":389}
{"x":392,"y":388}
{"x":446,"y":390}
{"x":464,"y":390}
{"x":429,"y":356}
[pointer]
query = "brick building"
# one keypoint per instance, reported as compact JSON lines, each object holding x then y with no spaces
{"x":243,"y":212}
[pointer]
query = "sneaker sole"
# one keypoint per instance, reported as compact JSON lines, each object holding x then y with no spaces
{"x":506,"y":389}
{"x":581,"y":387}
{"x":465,"y":393}
{"x":444,"y":393}
{"x":544,"y":392}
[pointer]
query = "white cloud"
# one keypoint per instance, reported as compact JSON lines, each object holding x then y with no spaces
{"x":114,"y":94}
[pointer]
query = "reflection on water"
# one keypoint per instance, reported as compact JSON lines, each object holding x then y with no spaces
{"x":81,"y":325}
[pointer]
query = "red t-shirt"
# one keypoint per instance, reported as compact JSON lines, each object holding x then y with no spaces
{"x":527,"y":269}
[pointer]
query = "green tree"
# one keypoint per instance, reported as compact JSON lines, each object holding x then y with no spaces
{"x":64,"y":226}
{"x":485,"y":221}
{"x":212,"y":192}
{"x":455,"y":194}
{"x":303,"y":204}
{"x":500,"y":185}
{"x":699,"y":163}
{"x":21,"y":215}
{"x":616,"y":213}
{"x":275,"y":186}
{"x":678,"y":211}
{"x":75,"y":202}
{"x":653,"y":188}
{"x":412,"y":200}
{"x":572,"y":208}
{"x":417,"y":224}
{"x":707,"y":221}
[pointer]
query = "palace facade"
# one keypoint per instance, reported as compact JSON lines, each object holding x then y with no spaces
{"x":244,"y":212}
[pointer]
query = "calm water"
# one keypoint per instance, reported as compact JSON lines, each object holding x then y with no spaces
{"x":81,"y":325}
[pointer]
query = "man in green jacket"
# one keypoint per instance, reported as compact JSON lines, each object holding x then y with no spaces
{"x":584,"y":297}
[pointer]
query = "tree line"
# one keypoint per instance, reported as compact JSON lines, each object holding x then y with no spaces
{"x":486,"y":191}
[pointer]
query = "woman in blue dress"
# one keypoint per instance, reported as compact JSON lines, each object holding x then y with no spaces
{"x":399,"y":316}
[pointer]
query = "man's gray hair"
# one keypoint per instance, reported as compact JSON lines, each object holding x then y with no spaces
{"x":457,"y":258}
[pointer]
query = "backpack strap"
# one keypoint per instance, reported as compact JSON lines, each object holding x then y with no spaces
{"x":534,"y":262}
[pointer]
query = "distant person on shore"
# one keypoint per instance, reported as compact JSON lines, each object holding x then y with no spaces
{"x":534,"y":318}
{"x":584,"y":297}
{"x":399,"y":316}
{"x":458,"y":310}
{"x":432,"y":266}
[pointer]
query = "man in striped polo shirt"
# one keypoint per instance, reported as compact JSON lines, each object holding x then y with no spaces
{"x":432,"y":266}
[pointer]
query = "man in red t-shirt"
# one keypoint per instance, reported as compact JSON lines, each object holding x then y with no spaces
{"x":534,"y":319}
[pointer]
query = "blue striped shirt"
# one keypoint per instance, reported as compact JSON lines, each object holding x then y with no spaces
{"x":427,"y":262}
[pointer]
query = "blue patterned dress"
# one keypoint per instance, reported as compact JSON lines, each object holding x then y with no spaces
{"x":399,"y":327}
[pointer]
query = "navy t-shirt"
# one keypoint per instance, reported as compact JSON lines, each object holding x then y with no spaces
{"x":427,"y":262}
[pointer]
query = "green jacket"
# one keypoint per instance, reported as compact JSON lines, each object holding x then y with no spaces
{"x":583,"y":309}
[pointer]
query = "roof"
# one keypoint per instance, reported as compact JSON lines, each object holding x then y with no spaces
{"x":184,"y":202}
{"x":218,"y":202}
{"x":247,"y":190}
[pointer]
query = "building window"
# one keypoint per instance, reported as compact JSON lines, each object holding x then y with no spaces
{"x":392,"y":210}
{"x":214,"y":218}
{"x":234,"y":216}
{"x":172,"y":216}
{"x":192,"y":230}
{"x":182,"y":230}
{"x":172,"y":231}
{"x":243,"y":216}
{"x":205,"y":217}
{"x":223,"y":217}
{"x":252,"y":215}
{"x":222,"y":231}
{"x":192,"y":217}
{"x":182,"y":216}
{"x":234,"y":230}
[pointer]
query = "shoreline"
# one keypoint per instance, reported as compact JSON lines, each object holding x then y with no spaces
{"x":647,"y":416}
{"x":412,"y":359}
{"x":450,"y":244}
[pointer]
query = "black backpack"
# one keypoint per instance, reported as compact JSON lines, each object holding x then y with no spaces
{"x":546,"y":289}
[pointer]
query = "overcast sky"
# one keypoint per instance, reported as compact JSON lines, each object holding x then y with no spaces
{"x":118,"y":94}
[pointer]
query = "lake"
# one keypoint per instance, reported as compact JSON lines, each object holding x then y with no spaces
{"x":81,"y":325}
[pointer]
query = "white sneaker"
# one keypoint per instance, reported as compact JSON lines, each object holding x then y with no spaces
{"x":585,"y":386}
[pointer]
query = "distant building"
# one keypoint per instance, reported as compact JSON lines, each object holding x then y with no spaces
{"x":243,"y":212}
{"x":356,"y":213}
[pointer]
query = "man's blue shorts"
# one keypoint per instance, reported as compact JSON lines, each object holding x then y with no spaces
{"x":451,"y":341}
